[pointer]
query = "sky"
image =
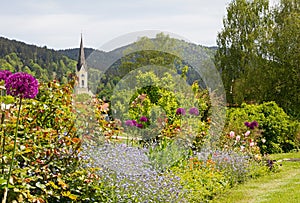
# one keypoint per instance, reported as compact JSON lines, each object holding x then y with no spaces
{"x":58,"y":24}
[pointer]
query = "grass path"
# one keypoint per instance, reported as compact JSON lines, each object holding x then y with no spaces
{"x":280,"y":187}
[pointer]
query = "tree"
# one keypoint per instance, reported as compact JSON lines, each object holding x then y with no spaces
{"x":285,"y":55}
{"x":241,"y":49}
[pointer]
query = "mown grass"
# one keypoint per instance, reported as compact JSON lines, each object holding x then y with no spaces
{"x":282,"y":186}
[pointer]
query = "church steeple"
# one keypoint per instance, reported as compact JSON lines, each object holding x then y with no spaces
{"x":81,"y":85}
{"x":81,"y":57}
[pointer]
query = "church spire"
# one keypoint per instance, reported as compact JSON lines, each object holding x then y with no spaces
{"x":81,"y":57}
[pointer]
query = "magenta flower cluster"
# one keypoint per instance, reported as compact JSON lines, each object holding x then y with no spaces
{"x":180,"y":111}
{"x":251,"y":125}
{"x":21,"y":85}
{"x":4,"y":74}
{"x":143,"y":119}
{"x":194,"y":111}
{"x":131,"y":123}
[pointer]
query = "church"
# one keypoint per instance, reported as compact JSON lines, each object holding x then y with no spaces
{"x":81,"y":86}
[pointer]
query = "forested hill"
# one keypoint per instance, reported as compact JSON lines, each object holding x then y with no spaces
{"x":48,"y":64}
{"x":105,"y":59}
{"x":73,"y":52}
{"x":43,"y":63}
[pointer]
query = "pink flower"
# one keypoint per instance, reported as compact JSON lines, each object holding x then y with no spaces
{"x":231,"y":134}
{"x":238,"y":138}
{"x":251,"y":144}
{"x":247,"y":133}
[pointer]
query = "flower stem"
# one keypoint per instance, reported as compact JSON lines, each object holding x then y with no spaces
{"x":14,"y":149}
{"x":3,"y":141}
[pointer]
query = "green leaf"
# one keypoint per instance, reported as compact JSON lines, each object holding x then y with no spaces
{"x":2,"y":181}
{"x":40,"y":185}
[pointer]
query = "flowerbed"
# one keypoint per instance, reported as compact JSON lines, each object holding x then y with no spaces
{"x":61,"y":157}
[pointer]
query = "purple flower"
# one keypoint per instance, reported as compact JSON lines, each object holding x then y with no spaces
{"x":134,"y":122}
{"x":253,"y":125}
{"x":129,"y":123}
{"x":143,"y":119}
{"x":180,"y":111}
{"x":4,"y":74}
{"x":139,"y":125}
{"x":247,"y":124}
{"x":194,"y":111}
{"x":22,"y":85}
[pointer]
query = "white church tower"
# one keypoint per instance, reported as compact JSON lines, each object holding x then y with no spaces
{"x":81,"y":72}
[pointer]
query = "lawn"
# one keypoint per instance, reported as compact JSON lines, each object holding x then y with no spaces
{"x":282,"y":186}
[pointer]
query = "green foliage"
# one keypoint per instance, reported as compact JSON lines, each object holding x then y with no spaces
{"x":279,"y":132}
{"x":152,"y":94}
{"x":168,"y":153}
{"x":82,"y":97}
{"x":201,"y":180}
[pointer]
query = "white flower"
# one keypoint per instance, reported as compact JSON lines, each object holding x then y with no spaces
{"x":263,"y":140}
{"x":231,"y":134}
{"x":247,"y":133}
{"x":238,"y":138}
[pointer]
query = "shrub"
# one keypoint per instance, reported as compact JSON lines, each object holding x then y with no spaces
{"x":279,"y":132}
